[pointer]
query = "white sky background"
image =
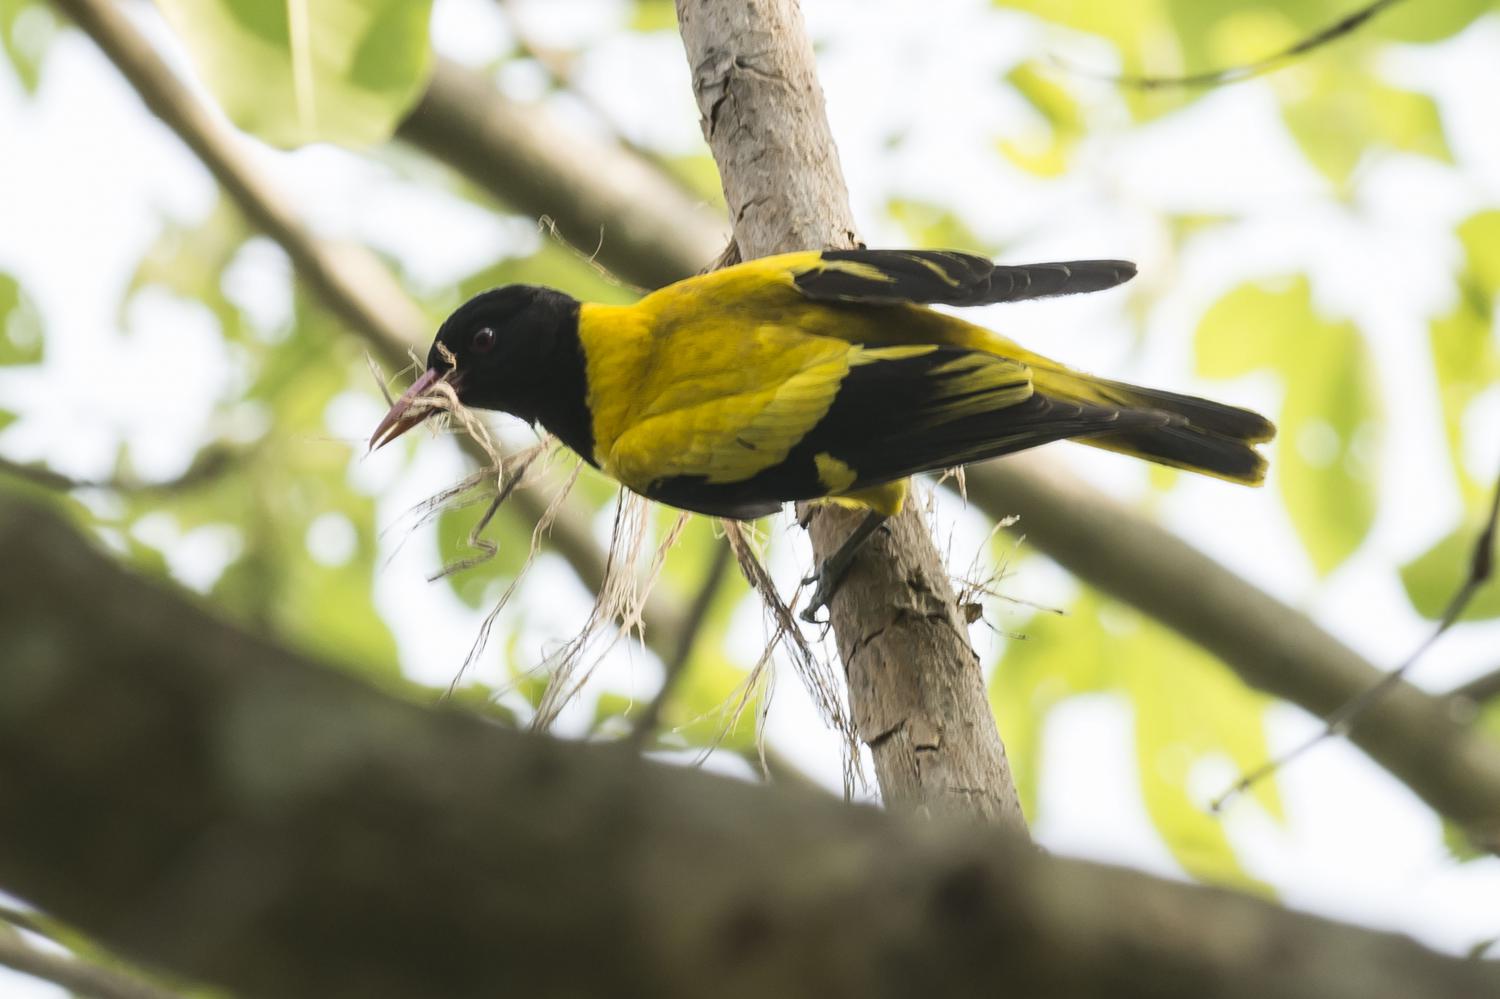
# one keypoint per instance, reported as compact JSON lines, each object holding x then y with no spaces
{"x":86,"y":175}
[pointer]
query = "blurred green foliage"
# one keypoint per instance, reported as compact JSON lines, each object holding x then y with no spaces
{"x":21,"y":339}
{"x":304,"y":71}
{"x":1467,"y":362}
{"x":1190,"y":712}
{"x":1325,"y":461}
{"x":1334,"y":103}
{"x":26,"y":30}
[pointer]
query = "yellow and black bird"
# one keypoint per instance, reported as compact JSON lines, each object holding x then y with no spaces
{"x":810,"y":375}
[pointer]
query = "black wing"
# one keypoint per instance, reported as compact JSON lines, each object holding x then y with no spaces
{"x":944,"y":277}
{"x":915,"y":413}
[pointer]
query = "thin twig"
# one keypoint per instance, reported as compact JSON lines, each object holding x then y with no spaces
{"x":1234,"y":74}
{"x":682,"y":649}
{"x":74,"y":974}
{"x":1481,"y":568}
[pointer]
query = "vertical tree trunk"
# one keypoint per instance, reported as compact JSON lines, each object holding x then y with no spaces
{"x":915,"y":687}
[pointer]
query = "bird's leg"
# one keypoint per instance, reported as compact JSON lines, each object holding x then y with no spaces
{"x":830,"y":574}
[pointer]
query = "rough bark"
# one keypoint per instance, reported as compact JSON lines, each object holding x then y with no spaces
{"x":915,"y":687}
{"x":194,"y":797}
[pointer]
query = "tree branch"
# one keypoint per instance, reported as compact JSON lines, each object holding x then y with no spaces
{"x":211,"y":462}
{"x":280,"y":829}
{"x":915,"y":687}
{"x":78,"y":977}
{"x":1416,"y":736}
{"x":1479,"y":689}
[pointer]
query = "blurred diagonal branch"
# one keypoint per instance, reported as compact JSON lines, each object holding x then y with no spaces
{"x":209,"y":464}
{"x":279,"y":829}
{"x":74,"y":974}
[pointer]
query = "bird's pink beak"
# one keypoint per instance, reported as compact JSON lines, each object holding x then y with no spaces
{"x":399,"y":420}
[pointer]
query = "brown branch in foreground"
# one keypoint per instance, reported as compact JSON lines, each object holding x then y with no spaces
{"x":281,"y":830}
{"x":915,"y":688}
{"x":77,"y":976}
{"x":1344,"y":26}
{"x":1346,"y":715}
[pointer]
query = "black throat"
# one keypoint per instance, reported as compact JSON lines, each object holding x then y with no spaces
{"x":562,"y":404}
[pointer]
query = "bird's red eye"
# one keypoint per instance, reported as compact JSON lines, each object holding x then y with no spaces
{"x":484,"y":341}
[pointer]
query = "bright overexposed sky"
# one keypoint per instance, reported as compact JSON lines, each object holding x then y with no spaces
{"x":87,"y":177}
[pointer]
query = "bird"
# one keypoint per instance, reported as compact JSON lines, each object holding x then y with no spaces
{"x":814,"y":375}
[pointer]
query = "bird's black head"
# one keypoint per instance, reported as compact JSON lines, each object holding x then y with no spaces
{"x":513,"y":349}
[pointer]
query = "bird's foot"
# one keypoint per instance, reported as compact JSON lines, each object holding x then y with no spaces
{"x":830,"y":573}
{"x":827,"y":577}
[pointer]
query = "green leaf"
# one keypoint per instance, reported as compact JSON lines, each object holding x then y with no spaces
{"x":1430,"y":21}
{"x":26,"y":32}
{"x":1189,"y":710}
{"x":653,"y":15}
{"x":21,"y":333}
{"x":1432,"y":578}
{"x":7,"y":418}
{"x":300,"y":71}
{"x":1464,"y":354}
{"x":1329,"y":425}
{"x":1044,"y":151}
{"x":1480,"y":236}
{"x":1337,"y":121}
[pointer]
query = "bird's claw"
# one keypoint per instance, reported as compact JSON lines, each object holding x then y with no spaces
{"x":826,"y":585}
